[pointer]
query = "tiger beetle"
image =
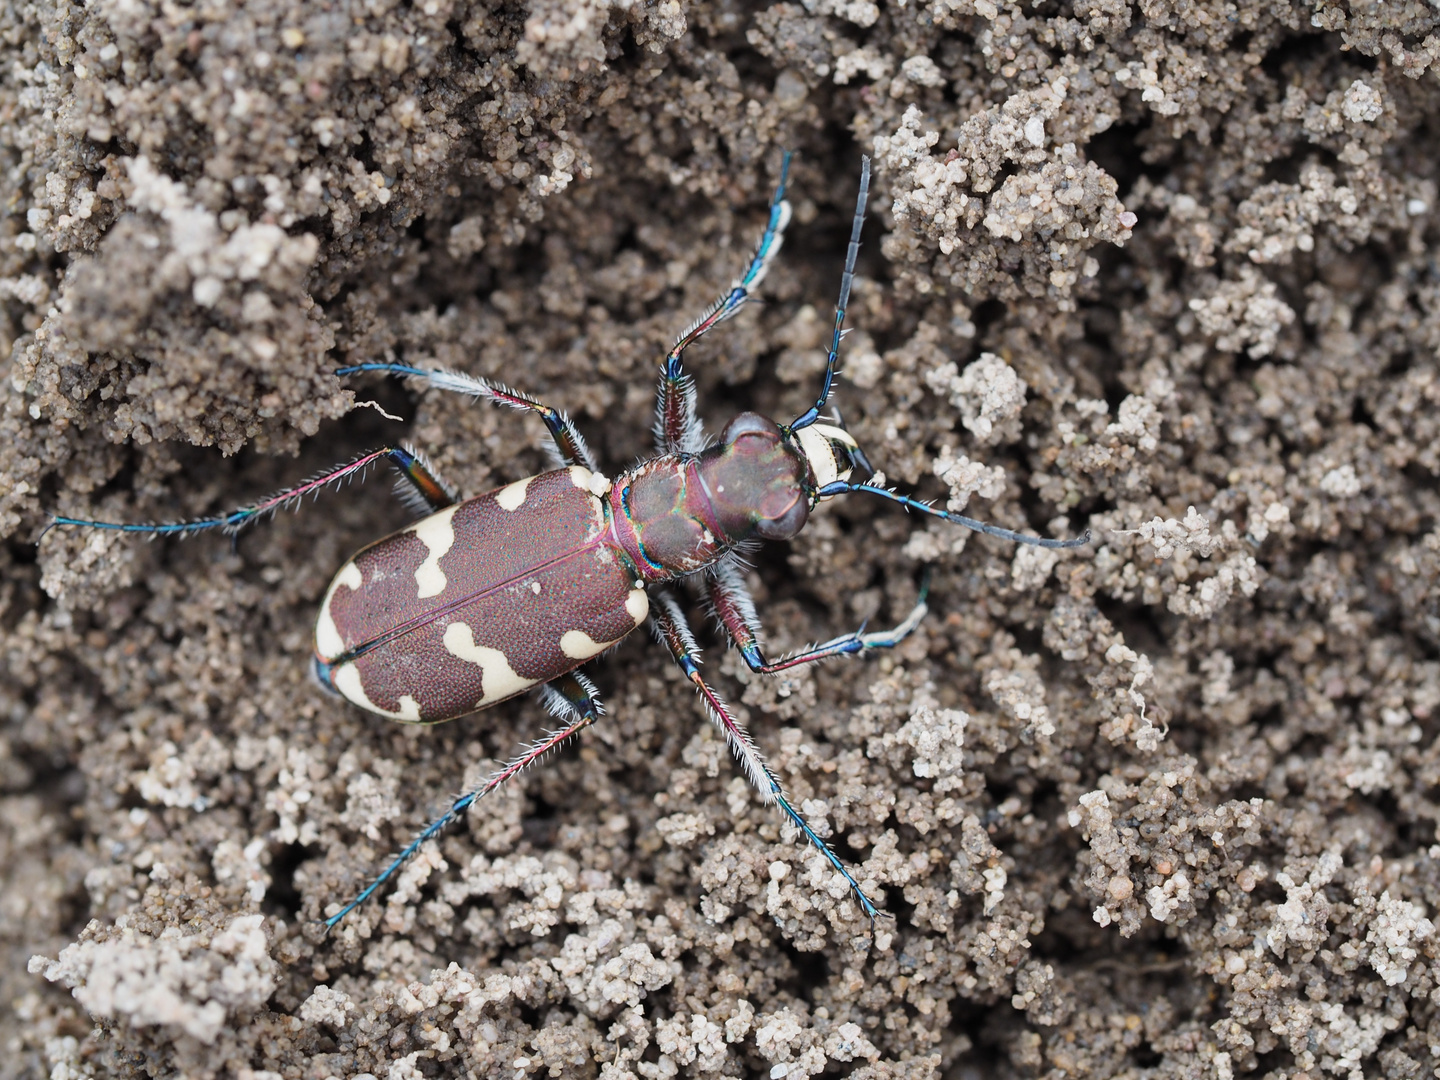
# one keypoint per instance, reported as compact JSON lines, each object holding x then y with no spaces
{"x":515,"y":589}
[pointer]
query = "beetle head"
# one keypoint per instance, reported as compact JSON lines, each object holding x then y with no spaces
{"x":756,"y":479}
{"x":830,"y":452}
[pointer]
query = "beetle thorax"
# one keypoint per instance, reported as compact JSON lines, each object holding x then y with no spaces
{"x":679,"y":513}
{"x":662,"y":520}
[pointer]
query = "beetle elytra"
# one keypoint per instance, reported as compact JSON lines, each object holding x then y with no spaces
{"x":517,"y":588}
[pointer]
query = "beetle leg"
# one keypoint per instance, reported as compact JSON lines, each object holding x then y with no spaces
{"x":674,"y":633}
{"x":420,"y":487}
{"x":847,"y":279}
{"x":677,"y":431}
{"x":570,"y":446}
{"x":429,"y":487}
{"x":572,"y":696}
{"x":734,"y":609}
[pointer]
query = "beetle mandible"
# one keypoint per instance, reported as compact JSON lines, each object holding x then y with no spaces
{"x":517,"y":588}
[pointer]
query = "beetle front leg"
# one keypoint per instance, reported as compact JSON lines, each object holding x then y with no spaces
{"x":677,"y":431}
{"x":733,"y":607}
{"x":570,"y":446}
{"x":572,"y":696}
{"x":673,"y":632}
{"x":430,"y":488}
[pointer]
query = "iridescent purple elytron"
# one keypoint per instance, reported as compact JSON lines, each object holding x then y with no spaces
{"x":516,"y":589}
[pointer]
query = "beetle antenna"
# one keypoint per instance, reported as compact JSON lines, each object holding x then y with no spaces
{"x":846,"y":280}
{"x":841,"y":487}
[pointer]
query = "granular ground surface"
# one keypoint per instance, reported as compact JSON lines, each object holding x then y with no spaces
{"x":1161,"y":807}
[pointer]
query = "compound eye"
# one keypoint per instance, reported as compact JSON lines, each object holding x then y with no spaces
{"x":786,"y":523}
{"x":749,"y":423}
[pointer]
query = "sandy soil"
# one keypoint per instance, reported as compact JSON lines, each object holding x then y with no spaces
{"x":1163,"y":807}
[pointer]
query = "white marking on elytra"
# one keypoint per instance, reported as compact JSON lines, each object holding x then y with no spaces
{"x":637,"y":604}
{"x":438,"y":534}
{"x":579,"y":645}
{"x":535,"y":587}
{"x":593,"y":482}
{"x":512,"y":496}
{"x":347,"y":680}
{"x":328,"y":642}
{"x":497,"y":678}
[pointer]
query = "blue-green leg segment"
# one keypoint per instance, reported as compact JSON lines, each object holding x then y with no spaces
{"x":673,"y":632}
{"x":433,"y":491}
{"x":677,"y":431}
{"x":570,"y":696}
{"x":569,"y":444}
{"x":736,"y":612}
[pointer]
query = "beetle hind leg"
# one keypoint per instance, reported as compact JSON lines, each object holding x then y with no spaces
{"x":673,"y":631}
{"x":571,"y":697}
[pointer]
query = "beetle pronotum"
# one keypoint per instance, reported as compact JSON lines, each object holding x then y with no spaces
{"x":516,"y":589}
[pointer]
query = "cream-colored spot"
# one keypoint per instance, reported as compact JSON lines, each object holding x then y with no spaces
{"x":638,"y":605}
{"x":328,"y":642}
{"x":437,"y":533}
{"x":593,"y":482}
{"x":535,"y":587}
{"x":347,"y":680}
{"x":579,"y":645}
{"x":512,"y":496}
{"x":816,"y":448}
{"x":497,"y":678}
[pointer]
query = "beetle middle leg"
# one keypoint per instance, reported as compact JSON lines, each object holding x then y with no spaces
{"x":674,"y":632}
{"x":571,"y":696}
{"x":731,"y":603}
{"x":677,"y":431}
{"x":434,"y":492}
{"x":570,"y":448}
